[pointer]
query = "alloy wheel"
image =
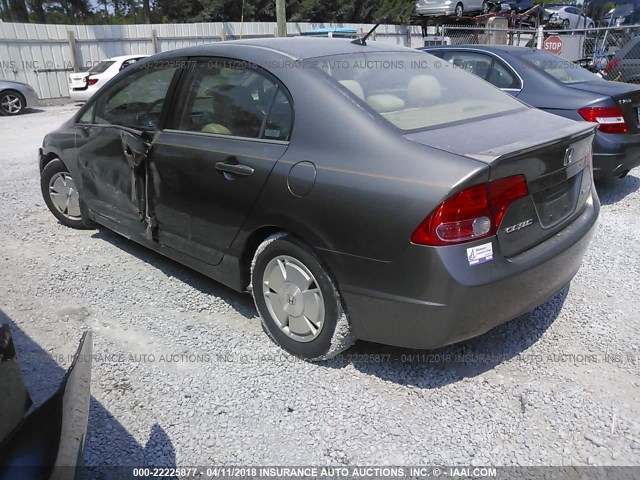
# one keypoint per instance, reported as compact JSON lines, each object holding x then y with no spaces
{"x":11,"y":103}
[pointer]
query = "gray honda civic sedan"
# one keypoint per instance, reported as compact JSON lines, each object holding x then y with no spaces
{"x":357,"y":190}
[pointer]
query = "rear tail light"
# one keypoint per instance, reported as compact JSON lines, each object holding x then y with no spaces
{"x":613,"y":63}
{"x":473,"y":213}
{"x":611,"y":119}
{"x":92,"y":81}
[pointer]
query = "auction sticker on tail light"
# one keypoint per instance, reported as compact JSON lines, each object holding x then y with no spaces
{"x":480,"y":253}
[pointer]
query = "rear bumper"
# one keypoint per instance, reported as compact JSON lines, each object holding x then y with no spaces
{"x":81,"y":95}
{"x":437,"y":9}
{"x":431,"y":297}
{"x":614,"y":155}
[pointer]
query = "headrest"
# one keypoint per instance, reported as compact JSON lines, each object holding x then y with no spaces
{"x":385,"y":103}
{"x":216,"y":128}
{"x":354,"y":87}
{"x":423,"y":88}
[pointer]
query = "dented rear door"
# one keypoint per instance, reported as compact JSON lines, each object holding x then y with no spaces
{"x":231,"y":125}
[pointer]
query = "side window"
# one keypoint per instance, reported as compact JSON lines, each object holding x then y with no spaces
{"x":227,"y":99}
{"x":278,"y":125}
{"x":87,"y":116}
{"x":477,"y":63}
{"x":136,"y":100}
{"x":502,"y":77}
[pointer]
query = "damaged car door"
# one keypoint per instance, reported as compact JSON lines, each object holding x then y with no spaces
{"x":113,"y":141}
{"x":229,"y":125}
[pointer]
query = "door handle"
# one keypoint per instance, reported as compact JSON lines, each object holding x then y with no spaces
{"x":234,"y":168}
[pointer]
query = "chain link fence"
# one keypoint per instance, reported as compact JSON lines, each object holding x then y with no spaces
{"x":612,"y":52}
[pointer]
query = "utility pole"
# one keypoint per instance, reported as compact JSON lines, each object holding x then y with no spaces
{"x":281,"y":18}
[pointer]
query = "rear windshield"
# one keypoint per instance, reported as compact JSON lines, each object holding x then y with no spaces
{"x":558,"y":68}
{"x":101,"y":67}
{"x":414,"y":91}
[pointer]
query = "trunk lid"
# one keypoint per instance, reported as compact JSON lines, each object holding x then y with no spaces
{"x":554,"y":155}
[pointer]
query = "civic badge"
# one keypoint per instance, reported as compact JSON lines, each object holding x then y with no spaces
{"x":568,"y":156}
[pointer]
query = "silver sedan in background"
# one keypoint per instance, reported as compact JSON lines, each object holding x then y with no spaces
{"x":15,"y":97}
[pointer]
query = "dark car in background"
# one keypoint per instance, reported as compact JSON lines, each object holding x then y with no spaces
{"x":45,"y":441}
{"x":622,"y":15}
{"x":557,"y":86}
{"x":357,"y":189}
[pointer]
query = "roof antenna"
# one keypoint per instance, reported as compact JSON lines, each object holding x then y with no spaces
{"x":363,"y":40}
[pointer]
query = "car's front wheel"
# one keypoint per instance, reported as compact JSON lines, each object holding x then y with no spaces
{"x":11,"y":103}
{"x":298,"y":301}
{"x":61,"y":194}
{"x":459,"y":10}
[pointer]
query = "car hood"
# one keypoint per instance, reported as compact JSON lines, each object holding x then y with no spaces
{"x":605,"y":87}
{"x":509,"y":134}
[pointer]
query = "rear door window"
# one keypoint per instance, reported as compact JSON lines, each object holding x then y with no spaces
{"x":477,"y":63}
{"x":227,"y":98}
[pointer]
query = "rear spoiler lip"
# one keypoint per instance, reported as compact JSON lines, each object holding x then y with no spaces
{"x":527,"y":146}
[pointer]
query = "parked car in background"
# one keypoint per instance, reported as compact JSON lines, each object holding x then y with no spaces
{"x":570,"y":17}
{"x":548,"y":9}
{"x":370,"y":195}
{"x":15,"y":97}
{"x":558,"y":86}
{"x":624,"y":64}
{"x":84,"y":84}
{"x":622,"y":15}
{"x":449,"y":7}
{"x":46,"y":441}
{"x":518,"y":6}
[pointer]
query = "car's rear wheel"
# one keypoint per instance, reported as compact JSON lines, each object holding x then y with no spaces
{"x":61,"y":194}
{"x":459,"y":9}
{"x":11,"y":103}
{"x":298,"y":302}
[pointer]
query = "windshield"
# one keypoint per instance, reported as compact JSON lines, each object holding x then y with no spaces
{"x":560,"y":69}
{"x":414,"y":91}
{"x":101,"y":67}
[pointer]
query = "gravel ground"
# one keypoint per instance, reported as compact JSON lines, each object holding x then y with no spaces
{"x":184,"y":374}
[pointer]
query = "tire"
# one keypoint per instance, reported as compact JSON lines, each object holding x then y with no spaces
{"x":459,"y":9}
{"x":61,"y":195}
{"x":591,"y":25}
{"x":485,"y":7}
{"x":298,"y":302}
{"x":566,"y":24}
{"x":11,"y":103}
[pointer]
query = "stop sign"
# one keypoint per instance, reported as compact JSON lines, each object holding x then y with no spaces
{"x":553,"y":44}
